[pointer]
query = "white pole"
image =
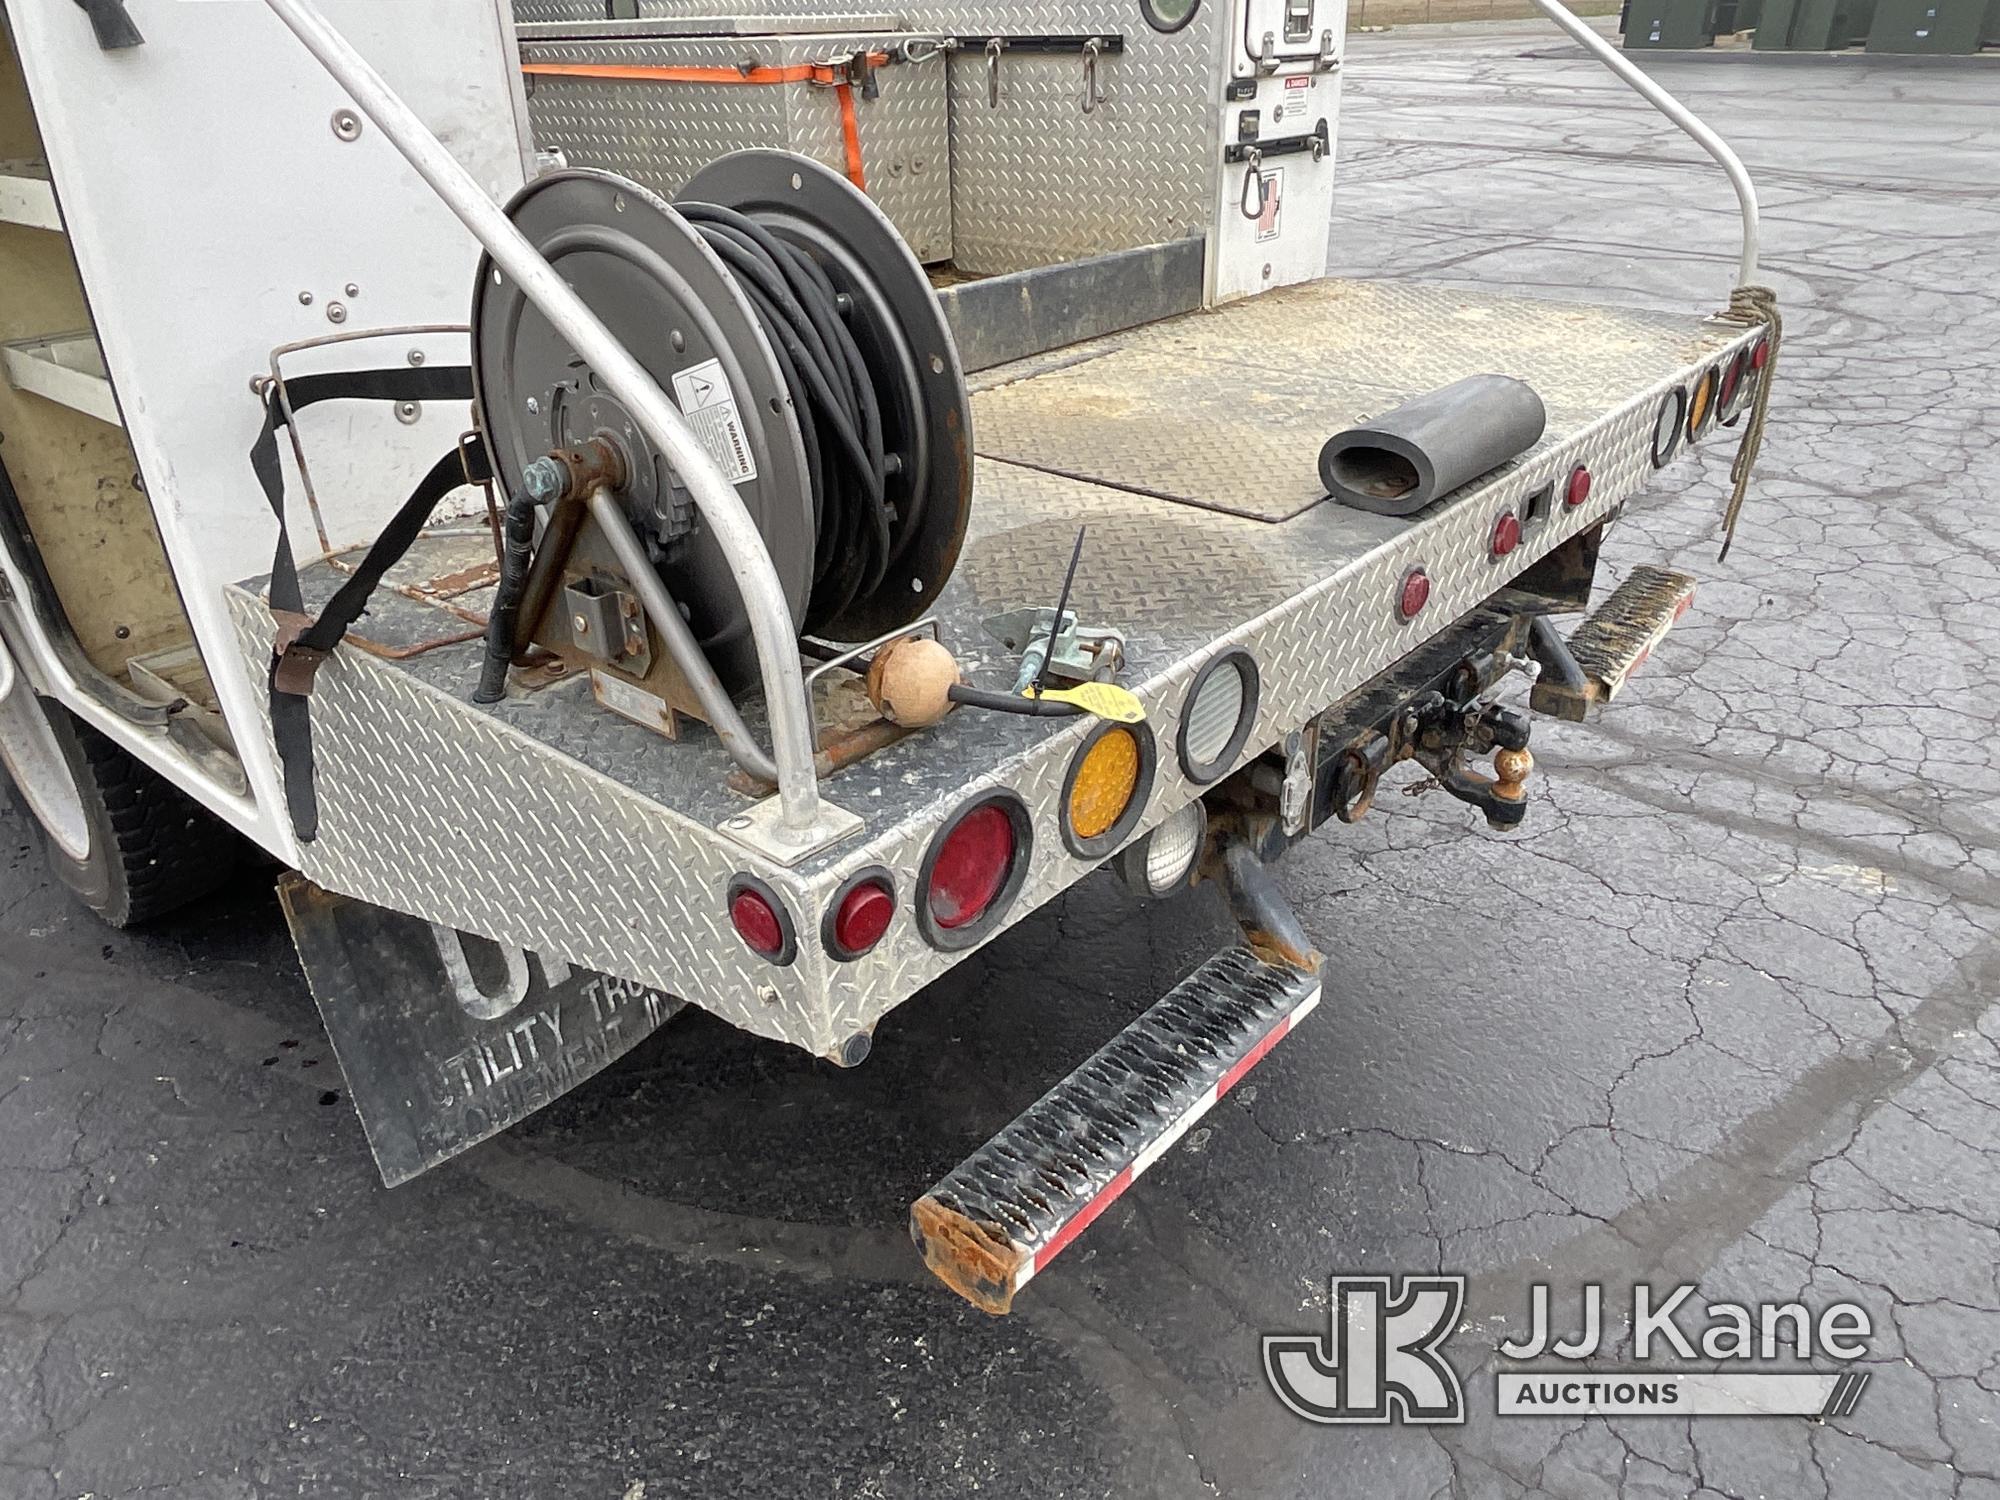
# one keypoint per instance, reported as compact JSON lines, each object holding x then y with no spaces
{"x":1636,"y":78}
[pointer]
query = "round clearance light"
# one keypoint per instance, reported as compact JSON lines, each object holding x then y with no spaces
{"x":974,"y":868}
{"x":1701,"y":404}
{"x":1506,"y":533}
{"x":1413,"y":593}
{"x":859,"y":914}
{"x":760,"y":919}
{"x":1163,"y":861}
{"x":1106,"y":790}
{"x":1760,"y":354}
{"x":1168,"y":15}
{"x":1667,"y":426}
{"x":1578,"y":489}
{"x":1732,"y":380}
{"x":1217,"y":715}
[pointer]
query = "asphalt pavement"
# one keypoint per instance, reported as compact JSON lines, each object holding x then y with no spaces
{"x":1722,"y":1013}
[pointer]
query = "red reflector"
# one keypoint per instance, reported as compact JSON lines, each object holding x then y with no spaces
{"x":1579,"y":486}
{"x":756,"y":922}
{"x":1760,"y":354}
{"x":971,"y":866}
{"x":1415,"y":593}
{"x":1506,"y":534}
{"x":1732,"y":377}
{"x":862,"y":918}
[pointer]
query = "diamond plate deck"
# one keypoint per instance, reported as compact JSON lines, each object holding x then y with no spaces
{"x":1271,"y":384}
{"x":550,"y":824}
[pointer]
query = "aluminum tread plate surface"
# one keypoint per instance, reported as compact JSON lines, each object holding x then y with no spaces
{"x":547,"y":822}
{"x":1033,"y":179}
{"x":661,"y":134}
{"x":1275,"y":378}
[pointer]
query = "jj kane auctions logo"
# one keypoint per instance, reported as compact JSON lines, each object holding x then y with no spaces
{"x":1381,"y":1357}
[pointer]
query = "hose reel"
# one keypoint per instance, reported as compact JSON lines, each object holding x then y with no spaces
{"x":790,"y":323}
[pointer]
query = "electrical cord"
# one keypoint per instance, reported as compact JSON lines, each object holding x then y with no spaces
{"x":840,"y":413}
{"x":1013,"y":703}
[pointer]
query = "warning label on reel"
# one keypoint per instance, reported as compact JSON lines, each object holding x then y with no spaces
{"x":710,"y":408}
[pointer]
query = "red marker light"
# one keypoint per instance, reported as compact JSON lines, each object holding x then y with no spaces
{"x":1760,"y":354}
{"x":1506,"y":534}
{"x":757,"y":922}
{"x":862,"y":917}
{"x":1579,"y":487}
{"x":1414,"y":594}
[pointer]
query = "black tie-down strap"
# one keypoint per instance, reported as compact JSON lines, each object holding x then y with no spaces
{"x":303,"y":640}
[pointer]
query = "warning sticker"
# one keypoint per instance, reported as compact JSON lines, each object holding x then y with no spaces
{"x":1273,"y":201}
{"x":710,"y":407}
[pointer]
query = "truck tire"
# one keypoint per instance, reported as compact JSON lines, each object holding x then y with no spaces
{"x":128,"y":842}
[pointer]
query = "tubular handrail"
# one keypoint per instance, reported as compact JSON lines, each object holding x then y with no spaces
{"x":1637,"y":80}
{"x":721,"y":507}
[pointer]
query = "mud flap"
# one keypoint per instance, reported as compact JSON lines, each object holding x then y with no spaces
{"x":444,"y":1039}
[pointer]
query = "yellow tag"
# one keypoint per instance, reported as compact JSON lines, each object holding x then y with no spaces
{"x":1107,"y":700}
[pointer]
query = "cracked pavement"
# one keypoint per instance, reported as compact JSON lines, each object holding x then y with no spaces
{"x":1722,"y":1013}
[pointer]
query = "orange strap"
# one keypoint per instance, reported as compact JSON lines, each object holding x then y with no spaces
{"x":830,"y":75}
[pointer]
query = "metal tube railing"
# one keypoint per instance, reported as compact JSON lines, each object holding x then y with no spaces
{"x":720,"y":506}
{"x":1636,"y":79}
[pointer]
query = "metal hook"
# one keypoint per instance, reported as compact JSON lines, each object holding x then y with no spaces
{"x":1092,"y":94}
{"x":1251,"y":201}
{"x":993,"y":46}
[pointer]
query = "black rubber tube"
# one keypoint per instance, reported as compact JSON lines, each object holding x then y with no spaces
{"x":1401,"y":461}
{"x":517,"y":541}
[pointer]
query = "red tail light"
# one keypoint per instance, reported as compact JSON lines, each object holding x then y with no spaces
{"x":1732,"y":380}
{"x":970,"y":867}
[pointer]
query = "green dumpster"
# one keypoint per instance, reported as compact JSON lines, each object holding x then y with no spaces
{"x":1674,"y":24}
{"x":1936,"y":26}
{"x":1812,"y":25}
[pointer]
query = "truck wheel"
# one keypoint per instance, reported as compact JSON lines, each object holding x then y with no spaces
{"x":129,"y":843}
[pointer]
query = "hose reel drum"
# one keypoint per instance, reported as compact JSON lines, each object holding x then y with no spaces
{"x":796,"y":332}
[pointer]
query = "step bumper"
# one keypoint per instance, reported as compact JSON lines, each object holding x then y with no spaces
{"x":1003,"y":1214}
{"x":1615,"y":641}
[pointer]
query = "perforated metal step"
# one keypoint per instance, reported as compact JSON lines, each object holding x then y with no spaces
{"x":1617,"y":638}
{"x":1016,"y":1203}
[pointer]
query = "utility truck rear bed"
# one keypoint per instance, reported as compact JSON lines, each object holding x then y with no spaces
{"x":825,"y":613}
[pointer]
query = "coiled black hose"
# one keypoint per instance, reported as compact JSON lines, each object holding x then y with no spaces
{"x":833,"y":392}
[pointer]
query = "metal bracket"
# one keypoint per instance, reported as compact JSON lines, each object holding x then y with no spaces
{"x":855,"y":653}
{"x":762,"y":830}
{"x":1318,"y":143}
{"x":1081,"y":653}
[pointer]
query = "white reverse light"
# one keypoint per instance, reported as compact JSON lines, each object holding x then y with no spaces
{"x":1162,"y":861}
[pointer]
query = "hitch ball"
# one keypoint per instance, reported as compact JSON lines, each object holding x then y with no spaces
{"x":1510,"y":774}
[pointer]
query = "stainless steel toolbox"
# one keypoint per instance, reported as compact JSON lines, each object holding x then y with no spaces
{"x":660,"y":132}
